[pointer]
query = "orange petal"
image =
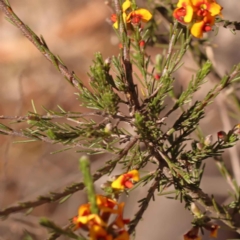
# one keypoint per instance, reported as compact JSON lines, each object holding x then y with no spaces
{"x":123,"y":236}
{"x":192,"y":234}
{"x":97,"y":232}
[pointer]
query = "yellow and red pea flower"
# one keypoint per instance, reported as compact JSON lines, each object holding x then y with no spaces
{"x":203,"y":7}
{"x":184,"y":11}
{"x":141,"y":14}
{"x":135,"y":17}
{"x":97,"y":224}
{"x":205,"y":25}
{"x":199,"y":13}
{"x":125,"y":180}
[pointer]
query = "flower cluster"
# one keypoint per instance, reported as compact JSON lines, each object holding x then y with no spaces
{"x":135,"y":17}
{"x":98,"y":225}
{"x":199,"y":14}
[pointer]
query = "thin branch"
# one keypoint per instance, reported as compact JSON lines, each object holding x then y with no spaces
{"x":56,"y":235}
{"x":144,"y":205}
{"x":133,"y":96}
{"x":48,"y":140}
{"x":216,"y":210}
{"x":170,"y":47}
{"x":233,"y":152}
{"x":169,"y":53}
{"x":40,"y":45}
{"x":53,"y":197}
{"x":66,"y":115}
{"x":228,"y":24}
{"x":226,"y":174}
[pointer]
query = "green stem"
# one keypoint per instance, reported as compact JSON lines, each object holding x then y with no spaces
{"x":88,"y":182}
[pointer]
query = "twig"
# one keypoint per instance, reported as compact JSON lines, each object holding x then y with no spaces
{"x":144,"y":205}
{"x":228,"y":24}
{"x":169,"y":53}
{"x":40,"y":45}
{"x":66,"y":115}
{"x":53,"y":197}
{"x":133,"y":96}
{"x":207,"y":203}
{"x":48,"y":140}
{"x":170,"y":47}
{"x":226,"y":174}
{"x":233,"y":153}
{"x":57,"y":234}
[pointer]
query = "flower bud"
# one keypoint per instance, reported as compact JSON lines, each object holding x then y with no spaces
{"x":108,"y":128}
{"x":195,"y":210}
{"x":208,"y":140}
{"x":114,"y":17}
{"x":157,"y":76}
{"x":222,"y":136}
{"x":142,"y":44}
{"x":108,"y":61}
{"x":199,"y":146}
{"x":237,"y":129}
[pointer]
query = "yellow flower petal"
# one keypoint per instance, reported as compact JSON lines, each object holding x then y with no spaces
{"x":115,"y":25}
{"x":215,"y":9}
{"x":197,"y":29}
{"x":92,"y":217}
{"x":189,"y":14}
{"x":118,"y":183}
{"x":84,"y":209}
{"x":183,"y":3}
{"x":124,"y":16}
{"x":127,"y":4}
{"x":146,"y":15}
{"x":135,"y":175}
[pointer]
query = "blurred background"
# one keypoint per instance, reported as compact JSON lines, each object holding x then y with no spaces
{"x":75,"y":30}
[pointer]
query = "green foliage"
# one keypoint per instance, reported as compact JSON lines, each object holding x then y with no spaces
{"x":103,"y":96}
{"x":124,"y":89}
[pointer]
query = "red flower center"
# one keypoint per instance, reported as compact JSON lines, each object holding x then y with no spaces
{"x":136,"y":18}
{"x":128,"y":184}
{"x":207,"y":28}
{"x":202,"y":12}
{"x":180,"y":14}
{"x":114,"y":17}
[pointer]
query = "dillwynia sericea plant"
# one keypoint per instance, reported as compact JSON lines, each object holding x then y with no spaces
{"x":140,"y":135}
